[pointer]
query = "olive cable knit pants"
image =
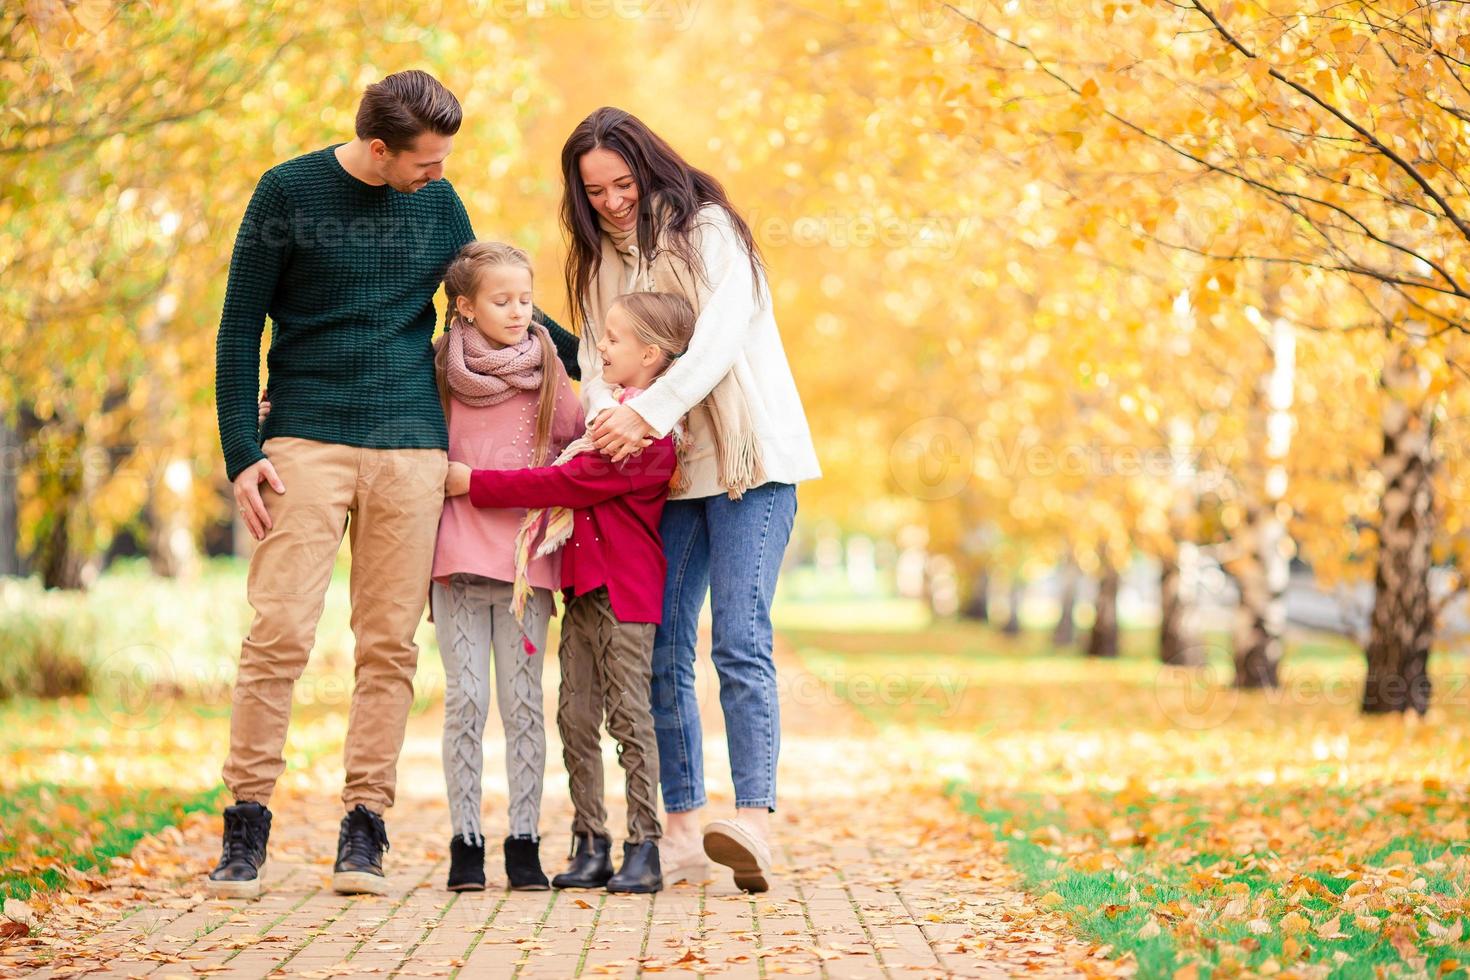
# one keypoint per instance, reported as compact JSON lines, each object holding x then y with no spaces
{"x":606,"y":672}
{"x":472,"y":617}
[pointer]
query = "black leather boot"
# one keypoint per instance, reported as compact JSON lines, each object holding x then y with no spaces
{"x":591,"y":863}
{"x":466,"y":865}
{"x":640,"y":873}
{"x":361,"y":842}
{"x":523,"y":864}
{"x":242,"y":853}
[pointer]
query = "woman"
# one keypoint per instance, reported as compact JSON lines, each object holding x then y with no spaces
{"x":639,"y":217}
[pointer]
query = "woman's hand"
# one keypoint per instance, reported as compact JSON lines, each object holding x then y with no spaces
{"x":457,"y":481}
{"x":264,"y":409}
{"x":621,"y":432}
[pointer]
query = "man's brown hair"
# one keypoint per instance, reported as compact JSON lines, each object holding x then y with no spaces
{"x":404,"y":105}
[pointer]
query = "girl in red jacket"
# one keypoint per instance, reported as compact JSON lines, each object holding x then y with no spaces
{"x":612,"y":576}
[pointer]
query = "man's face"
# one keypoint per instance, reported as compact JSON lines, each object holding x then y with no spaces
{"x":414,"y":167}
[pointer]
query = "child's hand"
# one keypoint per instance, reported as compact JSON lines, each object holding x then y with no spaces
{"x":264,"y":409}
{"x":457,"y":482}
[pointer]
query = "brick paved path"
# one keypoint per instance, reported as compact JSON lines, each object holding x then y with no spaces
{"x":876,"y":876}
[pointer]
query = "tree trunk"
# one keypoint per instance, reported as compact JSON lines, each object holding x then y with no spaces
{"x":63,"y":532}
{"x":1264,"y":565}
{"x":1065,"y":632}
{"x":940,"y":587}
{"x":1259,"y":618}
{"x":172,"y":552}
{"x":1179,"y":640}
{"x":1402,"y":625}
{"x":59,"y":564}
{"x":10,"y":462}
{"x":977,"y":605}
{"x":1102,"y":640}
{"x":1017,"y":592}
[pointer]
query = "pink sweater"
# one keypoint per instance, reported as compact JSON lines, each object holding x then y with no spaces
{"x":499,"y":437}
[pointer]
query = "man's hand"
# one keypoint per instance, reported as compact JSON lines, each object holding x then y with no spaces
{"x":247,"y":496}
{"x":457,"y":481}
{"x":621,"y":432}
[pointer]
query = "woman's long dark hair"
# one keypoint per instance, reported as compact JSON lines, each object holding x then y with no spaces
{"x":662,"y":175}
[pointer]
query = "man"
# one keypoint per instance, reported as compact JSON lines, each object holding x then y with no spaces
{"x":344,"y":248}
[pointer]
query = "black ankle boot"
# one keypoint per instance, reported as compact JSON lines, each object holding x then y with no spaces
{"x":242,"y":853}
{"x":466,"y":865}
{"x":591,"y":863}
{"x":640,"y":873}
{"x":523,"y":864}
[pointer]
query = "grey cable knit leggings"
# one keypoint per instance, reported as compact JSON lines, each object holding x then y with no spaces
{"x":471,"y":617}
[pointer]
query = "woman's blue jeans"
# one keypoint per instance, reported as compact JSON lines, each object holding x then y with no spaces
{"x":733,"y":549}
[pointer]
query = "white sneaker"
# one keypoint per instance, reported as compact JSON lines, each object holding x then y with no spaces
{"x":730,"y":843}
{"x":682,"y":864}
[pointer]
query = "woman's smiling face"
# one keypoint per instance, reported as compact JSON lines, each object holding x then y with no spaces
{"x":611,"y":189}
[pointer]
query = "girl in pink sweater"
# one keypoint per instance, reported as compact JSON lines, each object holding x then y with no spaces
{"x":509,"y":404}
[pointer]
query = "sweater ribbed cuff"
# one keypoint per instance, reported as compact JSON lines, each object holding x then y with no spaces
{"x":237,"y":460}
{"x":660,"y":406}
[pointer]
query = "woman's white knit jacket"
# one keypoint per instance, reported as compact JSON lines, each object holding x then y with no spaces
{"x":735,"y":330}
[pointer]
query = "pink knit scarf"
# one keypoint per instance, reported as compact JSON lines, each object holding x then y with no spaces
{"x":480,"y":375}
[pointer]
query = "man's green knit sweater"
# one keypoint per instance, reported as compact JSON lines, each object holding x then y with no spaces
{"x":347,"y":272}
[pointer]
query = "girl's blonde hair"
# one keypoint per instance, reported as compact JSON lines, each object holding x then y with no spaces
{"x":665,"y":320}
{"x":462,"y":278}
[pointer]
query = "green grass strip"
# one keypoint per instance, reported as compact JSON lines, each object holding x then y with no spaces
{"x":1040,"y":873}
{"x":1086,"y":896}
{"x":128,"y":819}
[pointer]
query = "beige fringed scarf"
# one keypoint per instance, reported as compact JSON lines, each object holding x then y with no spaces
{"x":724,"y":409}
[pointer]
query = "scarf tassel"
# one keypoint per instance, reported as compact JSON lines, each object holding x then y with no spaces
{"x":553,"y":525}
{"x":741,"y":468}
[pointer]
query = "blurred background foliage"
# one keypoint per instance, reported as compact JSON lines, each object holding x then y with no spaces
{"x":1087,"y":299}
